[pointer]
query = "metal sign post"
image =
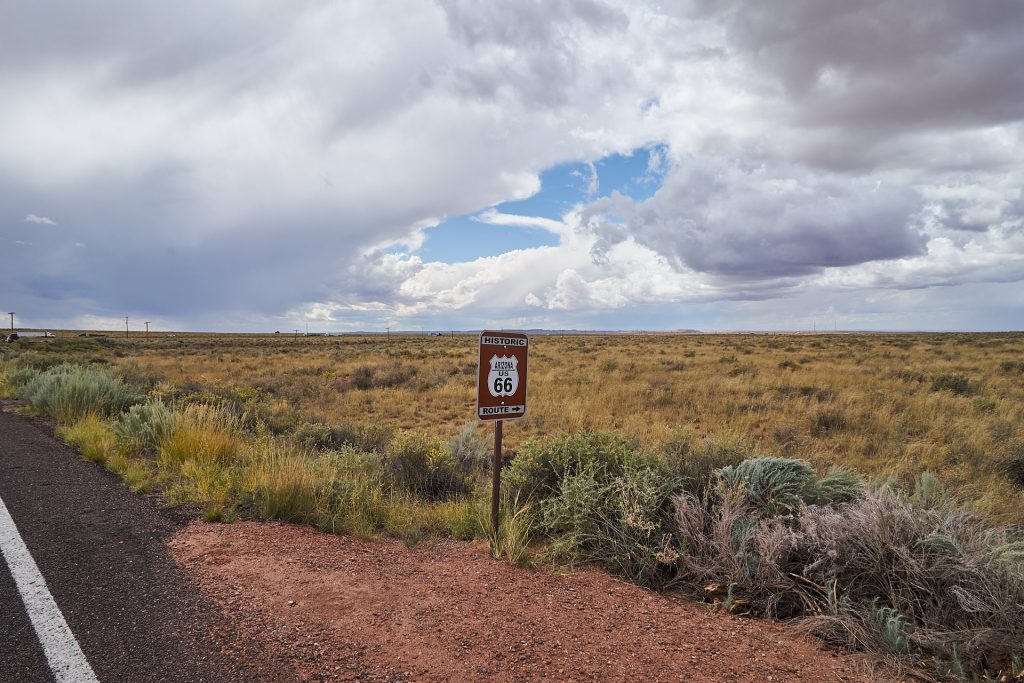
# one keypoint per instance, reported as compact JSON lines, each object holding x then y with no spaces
{"x":496,"y":477}
{"x":501,"y":393}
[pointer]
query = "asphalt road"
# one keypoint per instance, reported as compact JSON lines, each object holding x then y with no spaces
{"x":100,"y":549}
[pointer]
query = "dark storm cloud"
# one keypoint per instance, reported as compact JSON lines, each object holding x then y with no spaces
{"x":857,"y":86}
{"x":751,"y":221}
{"x":886,"y":64}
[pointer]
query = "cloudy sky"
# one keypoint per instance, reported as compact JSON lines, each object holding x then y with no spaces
{"x":719,"y":165}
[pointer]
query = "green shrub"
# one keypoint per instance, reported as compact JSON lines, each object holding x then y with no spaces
{"x":838,"y":485}
{"x":362,"y":378}
{"x":623,"y":522}
{"x":370,"y":437}
{"x":316,"y":435}
{"x":955,"y":384}
{"x":892,"y":628}
{"x":373,"y":437}
{"x":133,"y":374}
{"x":144,"y":426}
{"x":69,"y":392}
{"x":929,"y":493}
{"x":355,"y":501}
{"x":541,"y":464}
{"x":777,"y":486}
{"x":984,"y":405}
{"x":425,"y":467}
{"x":20,"y":375}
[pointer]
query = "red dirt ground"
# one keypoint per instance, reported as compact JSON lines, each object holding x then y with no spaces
{"x":341,"y":609}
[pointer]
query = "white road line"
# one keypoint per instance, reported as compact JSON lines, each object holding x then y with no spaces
{"x":63,"y":654}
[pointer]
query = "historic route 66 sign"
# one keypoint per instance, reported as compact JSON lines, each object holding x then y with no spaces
{"x":503,"y":379}
{"x":501,"y":376}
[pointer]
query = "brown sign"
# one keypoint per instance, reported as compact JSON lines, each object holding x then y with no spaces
{"x":501,"y":376}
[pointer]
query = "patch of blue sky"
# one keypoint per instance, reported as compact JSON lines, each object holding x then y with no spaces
{"x":461,"y":238}
{"x":637,"y":175}
{"x":464,"y":239}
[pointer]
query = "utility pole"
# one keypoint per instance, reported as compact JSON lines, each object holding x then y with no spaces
{"x":389,"y":329}
{"x":147,"y":328}
{"x":126,"y":327}
{"x":12,"y":321}
{"x":296,"y":333}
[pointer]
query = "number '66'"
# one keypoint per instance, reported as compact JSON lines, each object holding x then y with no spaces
{"x":503,"y":385}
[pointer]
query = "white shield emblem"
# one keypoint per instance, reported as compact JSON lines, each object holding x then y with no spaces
{"x":503,"y":379}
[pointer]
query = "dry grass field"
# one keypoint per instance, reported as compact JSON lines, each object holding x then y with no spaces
{"x":888,"y":405}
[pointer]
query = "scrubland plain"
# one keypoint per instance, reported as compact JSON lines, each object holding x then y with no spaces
{"x":889,"y":405}
{"x":868,"y":486}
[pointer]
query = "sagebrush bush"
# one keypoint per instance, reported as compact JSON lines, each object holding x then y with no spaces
{"x":929,"y":492}
{"x":69,"y":392}
{"x":372,"y":437}
{"x":772,"y":486}
{"x":838,"y":485}
{"x":144,"y":426}
{"x":469,"y":451}
{"x":908,"y":375}
{"x":19,"y":375}
{"x":775,"y":486}
{"x":934,"y":585}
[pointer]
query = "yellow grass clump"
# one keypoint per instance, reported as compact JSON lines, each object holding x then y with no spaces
{"x":205,"y":434}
